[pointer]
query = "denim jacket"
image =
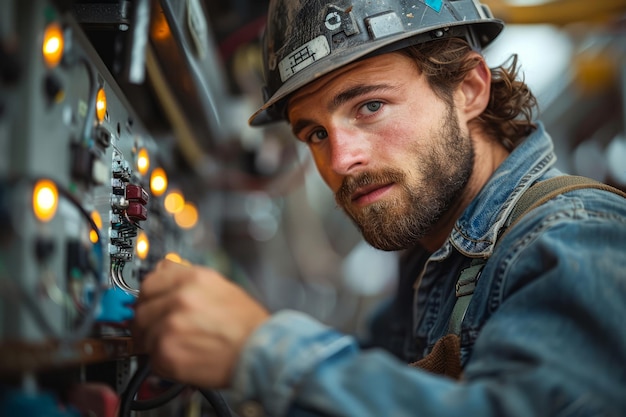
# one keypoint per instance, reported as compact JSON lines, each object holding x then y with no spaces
{"x":544,"y":334}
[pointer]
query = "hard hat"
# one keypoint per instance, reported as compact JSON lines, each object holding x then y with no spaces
{"x":306,"y":39}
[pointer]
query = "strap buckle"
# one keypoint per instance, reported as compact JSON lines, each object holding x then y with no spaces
{"x":469,"y":277}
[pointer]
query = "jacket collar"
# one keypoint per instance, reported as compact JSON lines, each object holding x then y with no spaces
{"x":476,"y":231}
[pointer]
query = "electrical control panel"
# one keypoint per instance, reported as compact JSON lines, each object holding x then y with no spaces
{"x":83,"y":214}
{"x":74,"y":182}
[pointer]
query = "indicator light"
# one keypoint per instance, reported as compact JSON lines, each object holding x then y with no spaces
{"x":187,"y":217}
{"x":142,"y":246}
{"x":174,"y":202}
{"x":45,"y":200}
{"x":158,"y":182}
{"x":93,"y":236}
{"x":174,"y":257}
{"x":159,"y":28}
{"x":101,"y":105}
{"x":143,"y":161}
{"x":53,"y":44}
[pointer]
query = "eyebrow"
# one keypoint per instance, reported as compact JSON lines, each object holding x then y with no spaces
{"x":354,"y":92}
{"x":342,"y":98}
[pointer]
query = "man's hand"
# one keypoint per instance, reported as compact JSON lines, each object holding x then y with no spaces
{"x":193,"y":323}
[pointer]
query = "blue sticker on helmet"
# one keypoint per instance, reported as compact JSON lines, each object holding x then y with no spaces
{"x":434,"y":4}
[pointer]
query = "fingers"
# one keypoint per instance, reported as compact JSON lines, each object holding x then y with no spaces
{"x":169,"y":289}
{"x":151,"y":311}
{"x":155,"y":300}
{"x":162,"y":278}
{"x":191,"y":319}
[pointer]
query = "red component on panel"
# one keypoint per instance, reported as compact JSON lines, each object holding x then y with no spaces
{"x":94,"y":399}
{"x":136,"y":211}
{"x":137,"y":193}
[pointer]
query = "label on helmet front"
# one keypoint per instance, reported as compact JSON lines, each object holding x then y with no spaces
{"x":302,"y":57}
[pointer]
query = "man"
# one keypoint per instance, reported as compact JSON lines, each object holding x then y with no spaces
{"x":429,"y":152}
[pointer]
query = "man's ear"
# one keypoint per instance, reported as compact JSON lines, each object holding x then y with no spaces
{"x":475,"y":89}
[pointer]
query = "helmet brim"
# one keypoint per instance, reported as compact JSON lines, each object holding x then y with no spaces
{"x":274,"y":109}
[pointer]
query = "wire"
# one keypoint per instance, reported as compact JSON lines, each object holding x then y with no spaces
{"x":128,"y":403}
{"x":89,"y":317}
{"x":162,"y":399}
{"x":8,"y":289}
{"x":117,"y":277}
{"x":131,"y":390}
{"x":93,"y":93}
{"x":97,"y":271}
{"x":217,"y":402}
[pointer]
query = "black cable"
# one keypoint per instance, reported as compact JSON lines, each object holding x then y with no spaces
{"x":93,"y":94}
{"x":161,"y":399}
{"x":132,"y":388}
{"x":89,"y":317}
{"x":217,"y":402}
{"x":128,"y":402}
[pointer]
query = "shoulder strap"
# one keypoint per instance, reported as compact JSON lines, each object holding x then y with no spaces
{"x":538,"y":194}
{"x":543,"y":191}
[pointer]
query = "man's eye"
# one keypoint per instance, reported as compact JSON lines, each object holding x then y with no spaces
{"x":372,"y":106}
{"x":317,"y":136}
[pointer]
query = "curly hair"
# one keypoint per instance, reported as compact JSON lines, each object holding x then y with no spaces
{"x":509,"y":113}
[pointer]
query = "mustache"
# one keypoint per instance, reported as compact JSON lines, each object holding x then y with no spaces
{"x":350,"y":184}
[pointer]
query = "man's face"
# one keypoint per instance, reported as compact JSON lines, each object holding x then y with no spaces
{"x":393,"y":152}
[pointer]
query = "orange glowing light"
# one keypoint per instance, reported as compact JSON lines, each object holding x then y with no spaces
{"x":158,"y":182}
{"x":53,"y":44}
{"x":187,"y":217}
{"x":93,"y":236}
{"x":174,"y":257}
{"x":159,"y":28}
{"x":174,"y":202}
{"x":143,"y":161}
{"x":45,"y":200}
{"x":142,"y":246}
{"x":101,"y":105}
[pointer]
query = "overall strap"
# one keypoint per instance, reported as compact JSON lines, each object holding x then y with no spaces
{"x":543,"y":191}
{"x":464,"y":290}
{"x":538,"y":194}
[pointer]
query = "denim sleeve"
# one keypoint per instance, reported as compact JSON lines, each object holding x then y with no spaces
{"x":296,"y":366}
{"x":554,"y":343}
{"x":554,"y":334}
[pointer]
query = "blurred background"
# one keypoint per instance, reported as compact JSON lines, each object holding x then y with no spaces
{"x":135,"y":112}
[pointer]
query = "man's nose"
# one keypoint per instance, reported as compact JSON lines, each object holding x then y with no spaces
{"x":349,"y":150}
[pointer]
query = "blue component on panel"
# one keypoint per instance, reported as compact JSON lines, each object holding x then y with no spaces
{"x":116,"y":306}
{"x":39,"y":404}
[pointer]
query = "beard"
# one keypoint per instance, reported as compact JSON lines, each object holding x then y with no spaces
{"x":402,"y":221}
